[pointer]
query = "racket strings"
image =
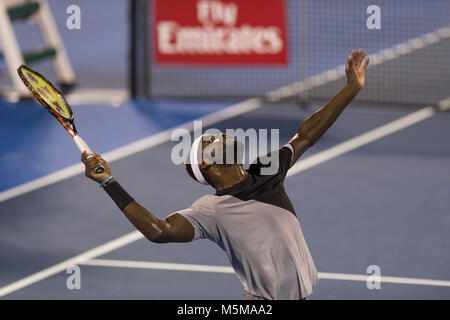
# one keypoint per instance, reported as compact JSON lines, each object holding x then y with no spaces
{"x":46,"y":92}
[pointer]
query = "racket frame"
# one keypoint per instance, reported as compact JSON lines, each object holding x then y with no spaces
{"x":67,"y":123}
{"x":71,"y":129}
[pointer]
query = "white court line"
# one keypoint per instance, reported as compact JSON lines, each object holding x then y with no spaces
{"x":361,"y":140}
{"x":132,"y":148}
{"x":158,"y":266}
{"x":113,"y":97}
{"x":444,"y":104}
{"x":223,"y":269}
{"x":384,"y":279}
{"x":80,"y":259}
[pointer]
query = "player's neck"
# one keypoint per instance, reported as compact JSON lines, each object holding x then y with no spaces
{"x":229,"y":176}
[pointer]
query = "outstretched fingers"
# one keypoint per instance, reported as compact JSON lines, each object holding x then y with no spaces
{"x":350,"y":60}
{"x":366,"y":63}
{"x":362,"y":54}
{"x":356,"y":59}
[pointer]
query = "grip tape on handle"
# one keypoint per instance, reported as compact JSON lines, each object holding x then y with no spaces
{"x":82,"y":145}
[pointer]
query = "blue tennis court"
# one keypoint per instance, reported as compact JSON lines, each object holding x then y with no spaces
{"x":373,"y":191}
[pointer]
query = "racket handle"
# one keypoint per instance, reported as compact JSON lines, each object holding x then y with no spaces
{"x":82,"y":145}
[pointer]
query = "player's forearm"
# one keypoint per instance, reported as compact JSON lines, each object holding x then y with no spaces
{"x":148,"y":224}
{"x":319,"y":122}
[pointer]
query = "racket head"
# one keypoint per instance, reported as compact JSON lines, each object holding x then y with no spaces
{"x":46,"y":93}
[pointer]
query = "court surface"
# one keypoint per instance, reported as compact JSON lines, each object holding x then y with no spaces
{"x":381,"y":199}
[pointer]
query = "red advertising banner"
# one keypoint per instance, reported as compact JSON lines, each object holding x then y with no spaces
{"x":239,"y":32}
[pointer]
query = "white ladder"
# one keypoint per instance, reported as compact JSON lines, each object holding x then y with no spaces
{"x":13,"y":10}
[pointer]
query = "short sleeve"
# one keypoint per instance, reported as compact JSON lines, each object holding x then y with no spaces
{"x":286,"y":156}
{"x":274,"y":163}
{"x":203,"y":221}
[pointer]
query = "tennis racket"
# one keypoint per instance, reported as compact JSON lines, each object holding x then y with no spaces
{"x":52,"y":100}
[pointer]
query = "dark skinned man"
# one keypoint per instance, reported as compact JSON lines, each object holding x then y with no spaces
{"x":250,"y":216}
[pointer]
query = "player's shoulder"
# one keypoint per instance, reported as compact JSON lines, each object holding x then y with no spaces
{"x":206,"y":202}
{"x":273,"y":162}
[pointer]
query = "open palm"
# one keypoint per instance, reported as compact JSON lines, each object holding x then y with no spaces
{"x":356,"y":68}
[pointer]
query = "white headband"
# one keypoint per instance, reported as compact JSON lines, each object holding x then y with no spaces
{"x":193,"y":157}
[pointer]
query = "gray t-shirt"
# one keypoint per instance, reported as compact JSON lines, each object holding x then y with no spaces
{"x":255,"y":224}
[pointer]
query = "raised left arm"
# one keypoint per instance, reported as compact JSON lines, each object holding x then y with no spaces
{"x":316,"y":124}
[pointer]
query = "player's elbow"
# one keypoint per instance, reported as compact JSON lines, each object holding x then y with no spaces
{"x":156,"y":232}
{"x":157,"y":238}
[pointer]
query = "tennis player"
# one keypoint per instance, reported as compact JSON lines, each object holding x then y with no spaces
{"x":250,"y":216}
